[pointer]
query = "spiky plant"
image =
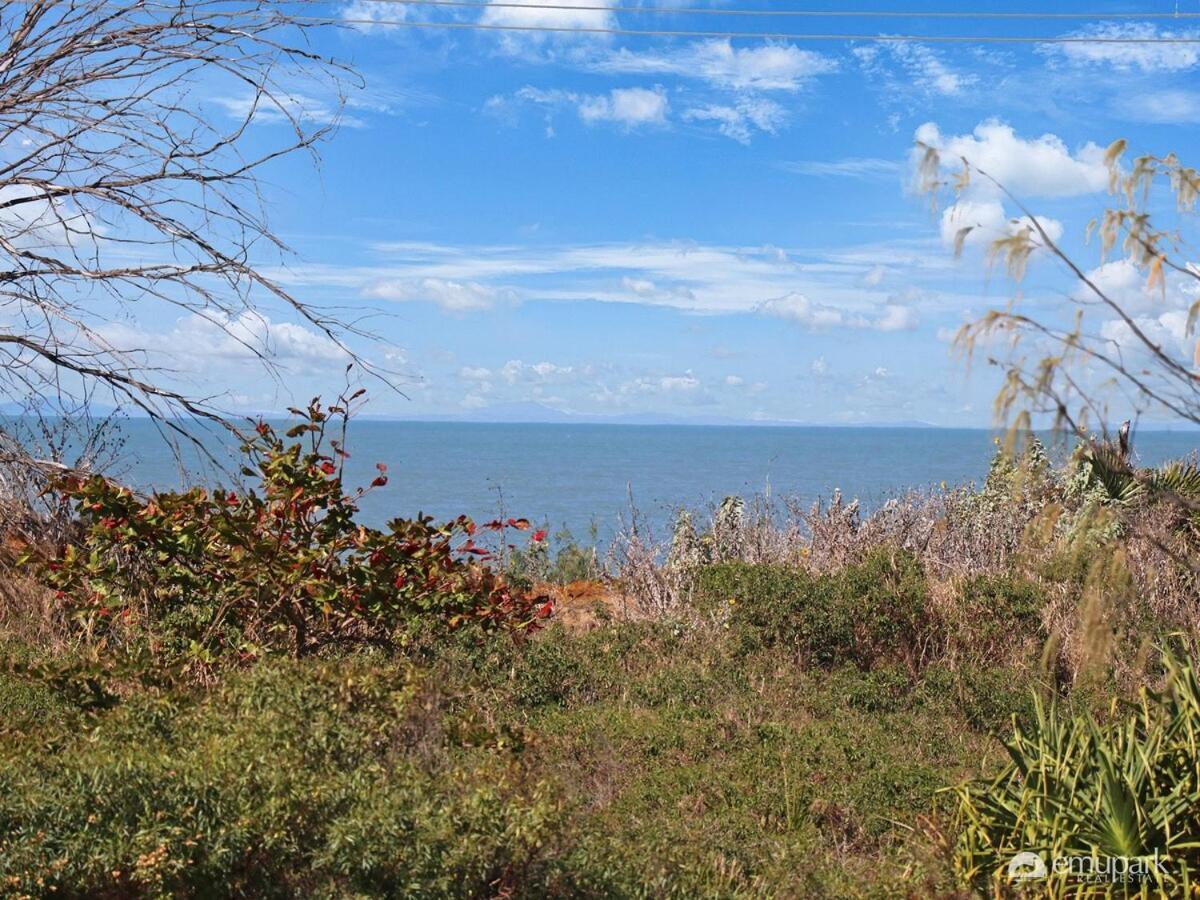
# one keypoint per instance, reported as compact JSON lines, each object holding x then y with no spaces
{"x":1079,"y":789}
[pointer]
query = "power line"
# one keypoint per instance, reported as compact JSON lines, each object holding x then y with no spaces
{"x":761,"y":35}
{"x":802,"y":13}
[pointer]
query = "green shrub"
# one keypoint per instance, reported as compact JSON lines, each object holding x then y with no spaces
{"x":776,"y":605}
{"x":868,"y":613}
{"x":1076,"y":787}
{"x":298,"y":779}
{"x":887,"y":596}
{"x":546,"y":672}
{"x":204,"y":576}
{"x":997,"y":614}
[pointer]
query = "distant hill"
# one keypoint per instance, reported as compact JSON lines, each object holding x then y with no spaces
{"x":536,"y":413}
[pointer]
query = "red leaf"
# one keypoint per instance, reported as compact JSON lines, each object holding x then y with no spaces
{"x":519,"y":524}
{"x":381,"y":467}
{"x":328,"y":468}
{"x":380,"y":481}
{"x":539,"y":535}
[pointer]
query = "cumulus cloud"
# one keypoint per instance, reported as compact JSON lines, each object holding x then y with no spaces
{"x":1038,"y":167}
{"x":799,"y":308}
{"x":770,"y":67}
{"x":1168,"y":330}
{"x":988,"y":221}
{"x":452,"y":296}
{"x":1129,"y":287}
{"x":896,"y":318}
{"x":1129,"y":55}
{"x":630,"y":107}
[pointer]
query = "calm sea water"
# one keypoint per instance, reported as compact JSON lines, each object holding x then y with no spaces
{"x":577,"y":476}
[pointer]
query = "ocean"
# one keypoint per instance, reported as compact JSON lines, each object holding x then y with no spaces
{"x":584,"y":477}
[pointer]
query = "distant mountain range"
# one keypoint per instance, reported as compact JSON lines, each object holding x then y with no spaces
{"x":536,"y":413}
{"x":539,"y":414}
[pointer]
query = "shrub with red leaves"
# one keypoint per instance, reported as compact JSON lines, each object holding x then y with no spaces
{"x":212,"y":575}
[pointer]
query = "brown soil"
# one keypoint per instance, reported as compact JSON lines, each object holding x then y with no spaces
{"x":586,"y":605}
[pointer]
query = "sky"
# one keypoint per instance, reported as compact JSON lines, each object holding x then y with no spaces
{"x":687,"y":227}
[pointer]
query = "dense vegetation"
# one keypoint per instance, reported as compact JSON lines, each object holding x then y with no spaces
{"x":247,"y":693}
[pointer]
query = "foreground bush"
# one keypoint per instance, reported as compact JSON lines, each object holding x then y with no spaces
{"x":868,"y":613}
{"x":298,"y":779}
{"x":205,"y":575}
{"x":1124,"y":794}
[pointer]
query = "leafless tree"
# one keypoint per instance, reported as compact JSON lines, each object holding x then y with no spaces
{"x":124,"y":188}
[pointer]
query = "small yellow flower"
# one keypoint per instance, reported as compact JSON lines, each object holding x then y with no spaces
{"x":732,"y":601}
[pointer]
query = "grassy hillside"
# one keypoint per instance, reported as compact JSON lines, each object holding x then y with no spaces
{"x":815,"y":704}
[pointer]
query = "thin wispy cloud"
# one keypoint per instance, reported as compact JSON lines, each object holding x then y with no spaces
{"x":1128,"y":47}
{"x":850,"y":167}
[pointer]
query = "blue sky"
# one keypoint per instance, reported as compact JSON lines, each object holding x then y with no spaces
{"x":612,"y":225}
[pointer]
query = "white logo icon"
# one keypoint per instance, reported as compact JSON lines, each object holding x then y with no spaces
{"x":1026,"y":864}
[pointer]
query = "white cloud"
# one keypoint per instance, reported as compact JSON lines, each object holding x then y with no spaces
{"x":475,"y":373}
{"x":452,"y":296}
{"x":819,"y":366}
{"x":743,"y":119}
{"x":630,"y":107}
{"x":1128,"y":54}
{"x":770,"y":67}
{"x":1168,"y":331}
{"x":640,"y":286}
{"x":369,"y":16}
{"x":734,"y":380}
{"x":922,"y":69}
{"x":285,"y":109}
{"x":42,"y":226}
{"x":515,"y":370}
{"x":688,"y":382}
{"x":896,"y":318}
{"x":195,"y":341}
{"x":852,"y":167}
{"x":1041,"y":167}
{"x":1168,"y":107}
{"x":531,"y":13}
{"x":1129,"y":287}
{"x":988,"y":222}
{"x":799,"y":308}
{"x":695,"y":278}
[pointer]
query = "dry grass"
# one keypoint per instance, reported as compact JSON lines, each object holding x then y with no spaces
{"x":1111,"y":576}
